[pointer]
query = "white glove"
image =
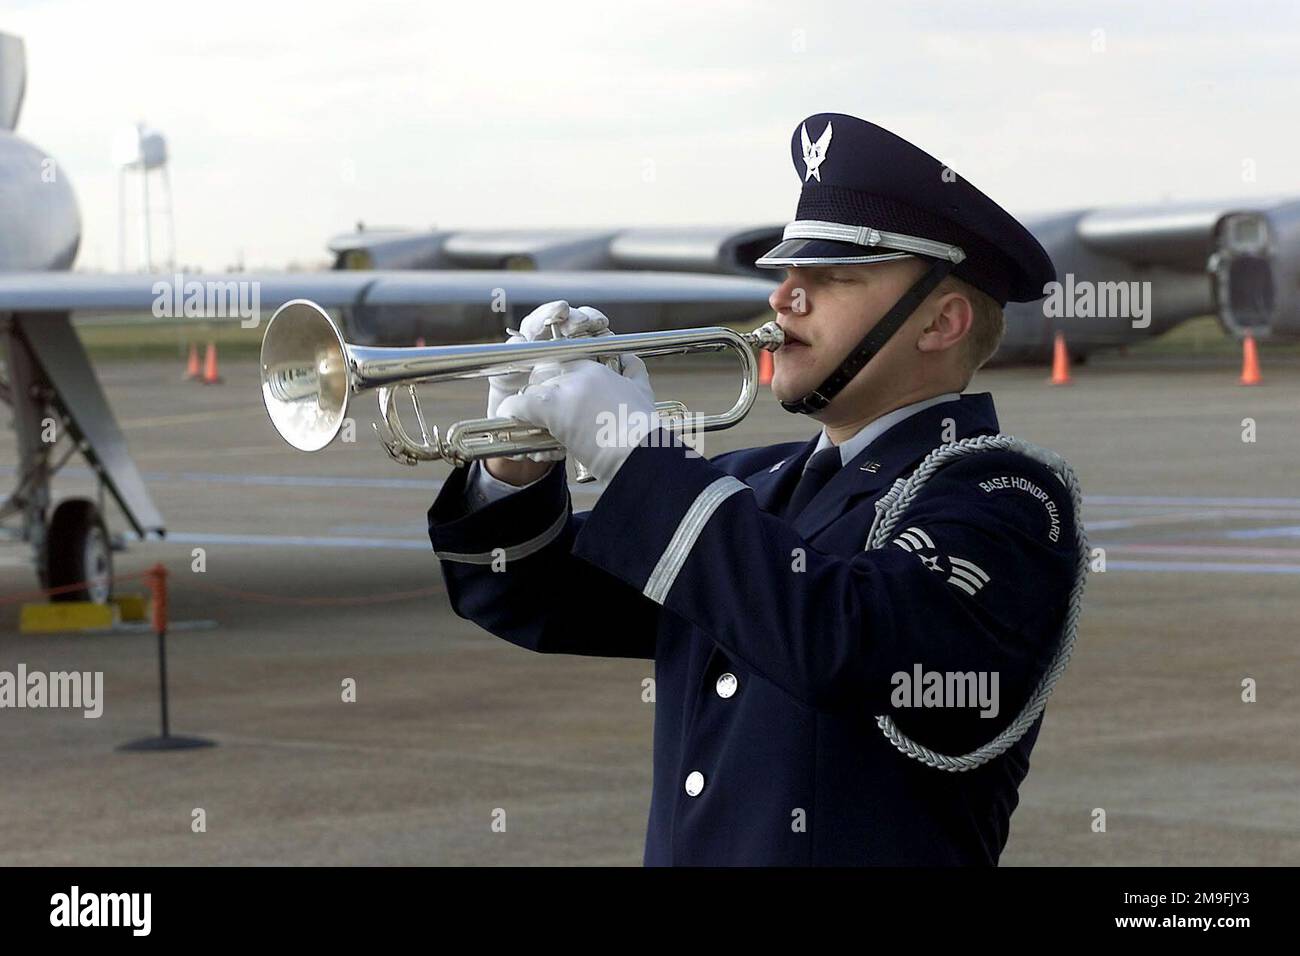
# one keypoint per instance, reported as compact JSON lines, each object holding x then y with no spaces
{"x":599,"y":415}
{"x":552,"y":320}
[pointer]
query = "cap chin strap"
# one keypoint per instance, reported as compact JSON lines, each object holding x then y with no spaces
{"x":873,"y":342}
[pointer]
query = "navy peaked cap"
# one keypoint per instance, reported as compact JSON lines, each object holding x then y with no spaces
{"x":871,"y":196}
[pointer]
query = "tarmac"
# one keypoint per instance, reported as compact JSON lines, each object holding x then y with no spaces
{"x":462,"y":749}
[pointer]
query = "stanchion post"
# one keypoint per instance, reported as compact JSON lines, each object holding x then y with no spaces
{"x":157,"y":580}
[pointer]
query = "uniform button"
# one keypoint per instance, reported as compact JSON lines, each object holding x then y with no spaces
{"x":727,"y":685}
{"x":694,"y":783}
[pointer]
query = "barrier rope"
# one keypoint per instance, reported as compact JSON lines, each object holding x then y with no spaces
{"x":65,"y":589}
{"x":888,"y":511}
{"x":260,"y":597}
{"x":360,"y":600}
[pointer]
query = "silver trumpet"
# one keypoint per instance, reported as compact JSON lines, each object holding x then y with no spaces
{"x":309,"y":372}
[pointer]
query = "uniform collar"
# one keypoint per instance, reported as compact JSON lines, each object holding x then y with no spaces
{"x":889,"y":455}
{"x":872,"y":430}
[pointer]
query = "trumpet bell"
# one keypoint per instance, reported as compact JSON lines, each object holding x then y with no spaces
{"x":305,"y":383}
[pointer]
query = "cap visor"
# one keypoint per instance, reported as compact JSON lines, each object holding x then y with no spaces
{"x":824,"y":252}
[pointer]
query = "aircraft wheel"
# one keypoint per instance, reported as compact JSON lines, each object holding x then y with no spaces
{"x":77,"y":549}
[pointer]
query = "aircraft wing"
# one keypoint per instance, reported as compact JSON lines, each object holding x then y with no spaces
{"x":170,"y":295}
{"x":35,"y":308}
{"x":720,"y":250}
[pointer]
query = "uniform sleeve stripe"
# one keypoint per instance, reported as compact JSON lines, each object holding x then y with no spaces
{"x":969,"y":566}
{"x":670,"y":563}
{"x":961,"y":574}
{"x":512,"y":553}
{"x":929,"y":543}
{"x":913,"y":540}
{"x":963,"y":585}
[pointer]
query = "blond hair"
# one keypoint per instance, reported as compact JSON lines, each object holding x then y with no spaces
{"x":987,"y":324}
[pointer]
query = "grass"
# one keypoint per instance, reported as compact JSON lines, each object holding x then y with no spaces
{"x":1203,"y":336}
{"x":130,"y":337}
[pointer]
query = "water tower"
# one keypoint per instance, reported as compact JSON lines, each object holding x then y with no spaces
{"x":142,"y":151}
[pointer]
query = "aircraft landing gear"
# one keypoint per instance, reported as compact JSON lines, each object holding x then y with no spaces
{"x":78,"y":549}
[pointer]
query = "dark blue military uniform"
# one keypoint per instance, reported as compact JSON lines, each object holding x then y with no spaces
{"x":794,"y":770}
{"x":778,"y":641}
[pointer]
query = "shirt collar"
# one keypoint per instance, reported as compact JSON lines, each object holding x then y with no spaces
{"x":874,"y":429}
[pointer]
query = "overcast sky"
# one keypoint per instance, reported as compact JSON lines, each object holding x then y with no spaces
{"x":288,"y":122}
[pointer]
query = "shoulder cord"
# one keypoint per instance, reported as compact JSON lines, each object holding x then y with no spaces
{"x":892,"y":506}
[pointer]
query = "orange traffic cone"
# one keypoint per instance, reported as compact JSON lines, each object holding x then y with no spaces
{"x":1250,"y":362}
{"x":1060,"y":361}
{"x":764,"y":367}
{"x":192,"y":369}
{"x":210,"y":376}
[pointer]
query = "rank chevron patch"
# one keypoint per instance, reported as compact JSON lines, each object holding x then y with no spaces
{"x":964,"y":574}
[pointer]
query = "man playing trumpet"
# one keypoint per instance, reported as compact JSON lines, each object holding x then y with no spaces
{"x":853,"y":635}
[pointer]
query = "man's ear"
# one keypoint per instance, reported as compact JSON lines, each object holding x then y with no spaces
{"x":949,"y":322}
